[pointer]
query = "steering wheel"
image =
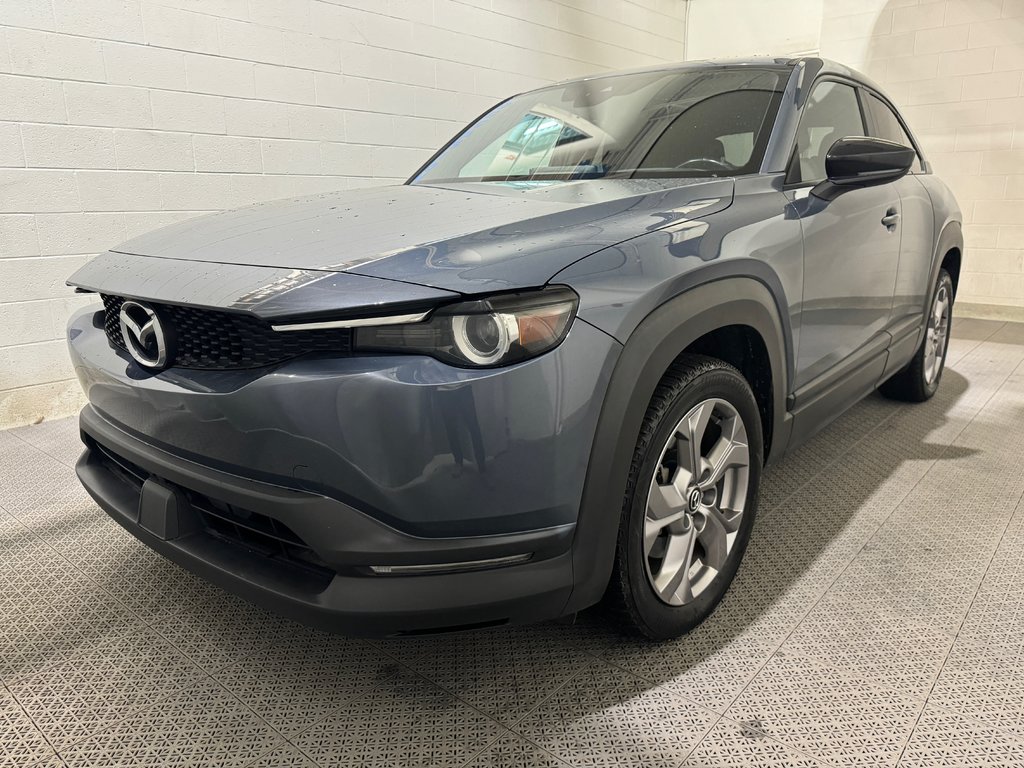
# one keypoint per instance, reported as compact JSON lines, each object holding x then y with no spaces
{"x":702,"y":163}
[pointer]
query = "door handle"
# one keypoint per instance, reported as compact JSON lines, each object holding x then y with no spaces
{"x":891,"y":219}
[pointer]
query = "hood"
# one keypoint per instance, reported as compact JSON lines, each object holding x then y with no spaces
{"x":389,"y":250}
{"x":466,"y":238}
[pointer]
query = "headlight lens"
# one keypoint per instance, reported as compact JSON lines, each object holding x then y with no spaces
{"x":489,"y":332}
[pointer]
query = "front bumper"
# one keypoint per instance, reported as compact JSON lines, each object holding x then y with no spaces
{"x":287,"y":486}
{"x":312,"y":562}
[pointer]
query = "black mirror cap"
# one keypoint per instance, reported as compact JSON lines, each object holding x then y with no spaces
{"x":862,"y":161}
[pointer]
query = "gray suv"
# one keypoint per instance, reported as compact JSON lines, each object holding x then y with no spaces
{"x":548,"y":369}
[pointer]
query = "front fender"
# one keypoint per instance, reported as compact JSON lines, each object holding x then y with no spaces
{"x":655,"y":343}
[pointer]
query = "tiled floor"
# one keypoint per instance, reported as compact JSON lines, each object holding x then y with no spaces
{"x":878,"y":620}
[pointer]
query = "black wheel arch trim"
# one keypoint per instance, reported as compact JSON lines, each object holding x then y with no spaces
{"x":951,"y":237}
{"x":656,"y":342}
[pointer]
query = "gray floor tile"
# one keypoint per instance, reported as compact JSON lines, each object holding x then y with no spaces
{"x":997,"y":614}
{"x":607,"y":717}
{"x":202,"y":725}
{"x":221,"y":629}
{"x":95,"y":686}
{"x":943,"y":738}
{"x":287,"y":756}
{"x":306,"y":677}
{"x":985,"y":684}
{"x":58,"y":439}
{"x":827,"y":712}
{"x":21,"y":742}
{"x":871,"y":647}
{"x":511,"y":751}
{"x":710,"y":666}
{"x":504,"y":673}
{"x":734,"y":745}
{"x":405,"y":720}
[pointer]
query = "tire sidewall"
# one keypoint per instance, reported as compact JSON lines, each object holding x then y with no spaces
{"x":660,"y":619}
{"x":947,"y":281}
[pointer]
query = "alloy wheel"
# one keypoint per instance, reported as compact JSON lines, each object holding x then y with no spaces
{"x":696,"y":501}
{"x":935,"y":338}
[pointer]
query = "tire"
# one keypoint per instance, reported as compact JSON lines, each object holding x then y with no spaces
{"x":919,"y":380}
{"x":700,"y":390}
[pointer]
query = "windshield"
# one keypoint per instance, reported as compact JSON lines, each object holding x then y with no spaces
{"x":700,"y":122}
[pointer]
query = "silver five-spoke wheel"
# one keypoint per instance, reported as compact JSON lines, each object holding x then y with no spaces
{"x":935,"y":339}
{"x":696,"y":501}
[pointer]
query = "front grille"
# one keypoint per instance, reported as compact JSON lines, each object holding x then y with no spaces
{"x":258,"y":533}
{"x":210,"y":339}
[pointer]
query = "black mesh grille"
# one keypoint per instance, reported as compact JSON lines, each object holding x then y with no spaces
{"x":206,"y":338}
{"x":258,"y":533}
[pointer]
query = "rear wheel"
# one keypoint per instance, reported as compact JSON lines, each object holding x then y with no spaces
{"x":920,"y":379}
{"x":690,"y":500}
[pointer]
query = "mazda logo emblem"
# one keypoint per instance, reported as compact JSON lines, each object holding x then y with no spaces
{"x":695,"y":498}
{"x":144,"y":335}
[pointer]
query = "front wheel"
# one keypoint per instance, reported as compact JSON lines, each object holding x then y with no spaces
{"x":690,"y":499}
{"x":920,"y":379}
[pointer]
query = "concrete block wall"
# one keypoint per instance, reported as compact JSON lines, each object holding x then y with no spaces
{"x":119,"y":116}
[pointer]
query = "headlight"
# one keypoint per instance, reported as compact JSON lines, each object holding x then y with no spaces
{"x":489,"y":332}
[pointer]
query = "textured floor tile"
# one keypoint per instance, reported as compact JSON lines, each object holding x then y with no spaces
{"x":405,"y":720}
{"x":297,"y":682}
{"x":287,"y":756}
{"x":96,"y":686}
{"x":943,"y":739}
{"x":511,"y":751}
{"x":869,"y":646}
{"x":826,"y":713}
{"x":222,"y":629}
{"x":807,"y":462}
{"x":985,"y":684}
{"x":504,"y":672}
{"x":58,"y":439}
{"x":32,"y":481}
{"x":35,"y":637}
{"x":734,"y":745}
{"x":48,"y":609}
{"x":21,"y":743}
{"x":64,"y":515}
{"x":996,"y":615}
{"x":202,"y":725}
{"x":710,"y":666}
{"x":606,"y":717}
{"x":145,"y":581}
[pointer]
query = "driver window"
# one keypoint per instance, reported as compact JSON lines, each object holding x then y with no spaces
{"x":832,"y":113}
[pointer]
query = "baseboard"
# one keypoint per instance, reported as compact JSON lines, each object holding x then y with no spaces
{"x":989,"y":311}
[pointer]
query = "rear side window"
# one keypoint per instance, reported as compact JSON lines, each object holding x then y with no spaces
{"x":888,"y":126}
{"x":832,"y":113}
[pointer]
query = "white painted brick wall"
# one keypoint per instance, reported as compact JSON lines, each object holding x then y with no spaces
{"x":120,"y":116}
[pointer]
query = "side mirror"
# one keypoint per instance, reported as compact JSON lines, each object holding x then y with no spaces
{"x":861,"y":161}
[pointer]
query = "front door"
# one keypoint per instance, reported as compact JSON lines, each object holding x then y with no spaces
{"x":851,"y":248}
